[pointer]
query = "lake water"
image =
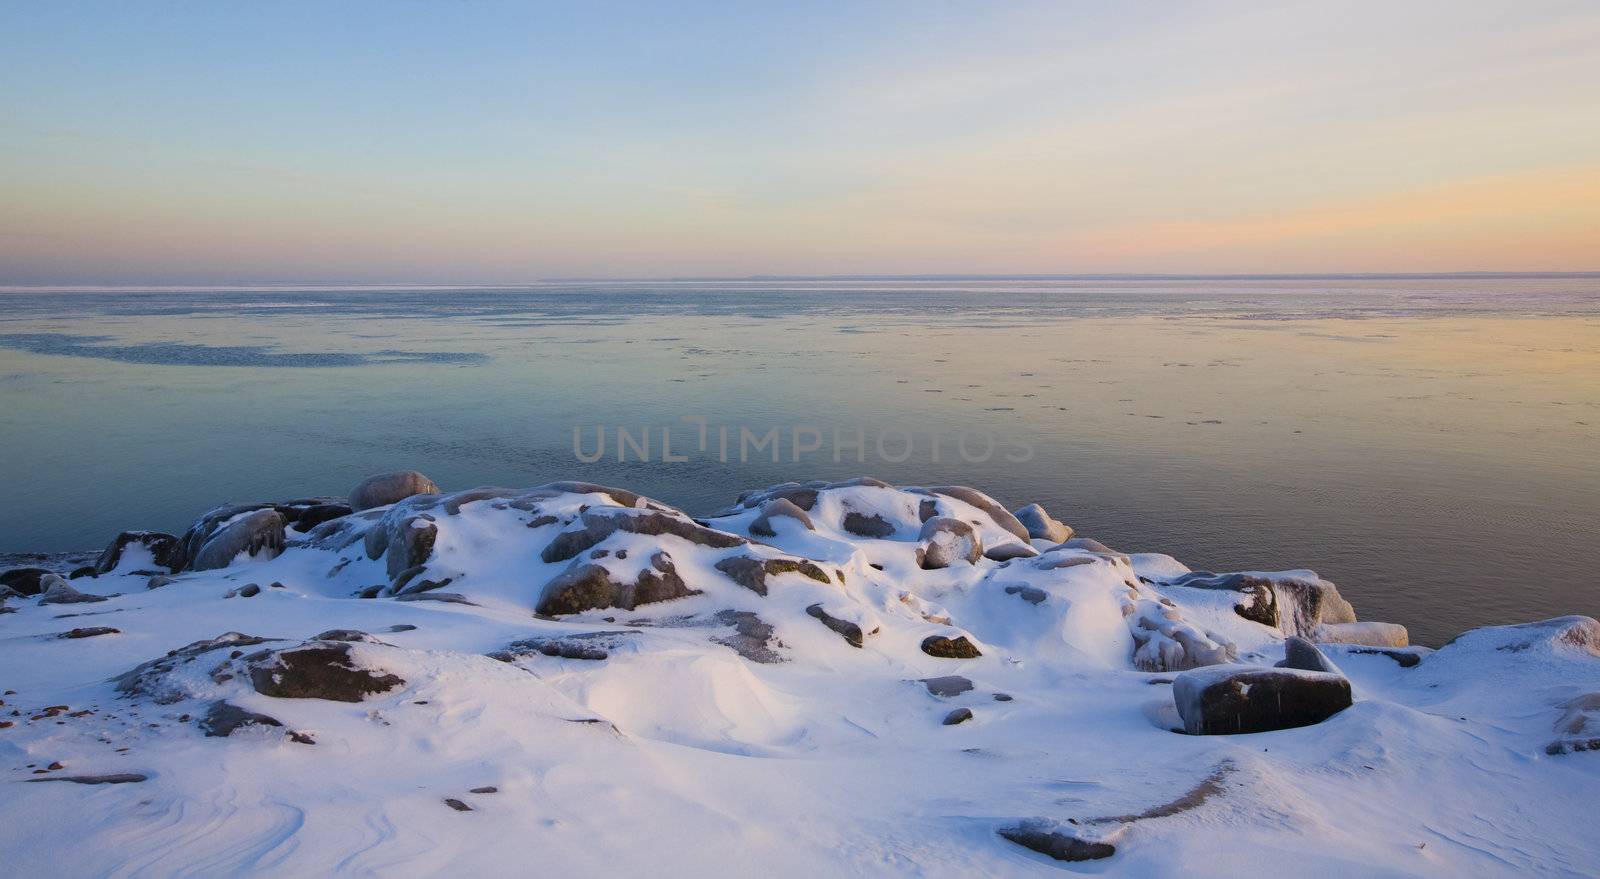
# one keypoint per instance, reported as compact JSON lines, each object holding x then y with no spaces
{"x":1431,"y":445}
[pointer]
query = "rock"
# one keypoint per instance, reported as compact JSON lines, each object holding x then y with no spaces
{"x":351,"y":635}
{"x":865,"y":525}
{"x":24,"y":581}
{"x":1304,"y":655}
{"x":85,"y":571}
{"x":387,"y":488}
{"x":1030,"y":594}
{"x":1005,"y":552}
{"x":1164,"y":641}
{"x":1230,"y":699}
{"x":945,"y":541}
{"x":1578,"y":728}
{"x":409,"y":545}
{"x":1304,"y":604}
{"x":456,"y":804}
{"x":1056,"y":841}
{"x":1089,"y":544}
{"x":159,"y":581}
{"x":255,"y":533}
{"x":250,"y":590}
{"x":752,"y":637}
{"x":165,"y":550}
{"x":112,"y":778}
{"x":600,"y":523}
{"x":89,"y":632}
{"x":776,"y":508}
{"x":310,"y":517}
{"x":976,"y":498}
{"x":1260,"y":603}
{"x":950,"y":648}
{"x":947,"y":686}
{"x":446,"y":597}
{"x":593,"y":646}
{"x":752,"y":573}
{"x":486,"y":789}
{"x":589,"y":586}
{"x":960,"y":715}
{"x":148,"y":679}
{"x":58,"y":591}
{"x":1368,"y":634}
{"x":1041,"y":527}
{"x":318,"y":670}
{"x":224,"y":719}
{"x":851,"y":632}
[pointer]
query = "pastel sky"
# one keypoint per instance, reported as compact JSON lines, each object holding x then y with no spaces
{"x":465,"y":142}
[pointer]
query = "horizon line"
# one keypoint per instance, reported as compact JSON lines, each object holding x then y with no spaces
{"x":682,"y":279}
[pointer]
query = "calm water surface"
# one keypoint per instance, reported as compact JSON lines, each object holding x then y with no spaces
{"x":1432,"y":445}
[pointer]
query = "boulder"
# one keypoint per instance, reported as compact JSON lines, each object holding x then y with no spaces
{"x":58,"y":591}
{"x":1304,"y":655}
{"x":752,"y":573}
{"x":1367,"y":634}
{"x":600,"y":523}
{"x":409,"y":545}
{"x":945,"y":541}
{"x":1005,"y":552}
{"x":224,"y":719}
{"x":959,"y":715}
{"x":89,"y":632}
{"x":1041,"y":527}
{"x":1230,"y":699}
{"x":165,"y":550}
{"x":317,"y":670}
{"x":775,"y":509}
{"x":386,"y":488}
{"x":950,"y":648}
{"x":867,"y":525}
{"x":1057,"y":840}
{"x":947,"y":686}
{"x":24,"y":581}
{"x":1001,"y":516}
{"x":589,"y":586}
{"x":850,"y":631}
{"x":256,"y":533}
{"x":311,"y":516}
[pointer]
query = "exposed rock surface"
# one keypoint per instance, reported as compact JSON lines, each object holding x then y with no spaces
{"x":1248,"y":699}
{"x":383,"y":489}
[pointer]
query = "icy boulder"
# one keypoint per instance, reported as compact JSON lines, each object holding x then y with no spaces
{"x":386,"y":488}
{"x":1229,"y":699}
{"x":1041,"y":526}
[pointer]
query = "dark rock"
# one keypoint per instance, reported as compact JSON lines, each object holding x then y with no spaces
{"x":1002,"y":697}
{"x":862,"y":525}
{"x":950,"y":648}
{"x":1040,"y":526}
{"x":310,"y":517}
{"x":224,"y":718}
{"x":456,"y":804}
{"x":752,"y":637}
{"x":960,"y":715}
{"x":159,"y":581}
{"x":89,"y":632}
{"x":112,"y":778}
{"x":250,"y":590}
{"x":1030,"y":594}
{"x":1405,"y":658}
{"x":345,"y":635}
{"x":1304,"y":655}
{"x":594,"y":646}
{"x":589,"y":586}
{"x":927,"y":508}
{"x":600,"y":523}
{"x":945,"y":541}
{"x":410,"y":543}
{"x":850,"y":631}
{"x":752,"y":573}
{"x":24,"y":581}
{"x":1224,"y":700}
{"x":387,"y":488}
{"x":254,"y":533}
{"x":85,"y":571}
{"x":164,"y":548}
{"x":779,"y":508}
{"x":488,"y":789}
{"x":318,"y":671}
{"x":947,"y":685}
{"x":402,"y":627}
{"x":1049,"y":838}
{"x":446,"y":597}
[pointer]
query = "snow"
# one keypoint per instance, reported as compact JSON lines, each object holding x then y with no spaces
{"x":677,"y":754}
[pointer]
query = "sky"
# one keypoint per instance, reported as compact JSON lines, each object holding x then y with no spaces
{"x":465,"y":142}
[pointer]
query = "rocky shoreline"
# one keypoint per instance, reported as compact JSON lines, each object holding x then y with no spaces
{"x":779,"y":626}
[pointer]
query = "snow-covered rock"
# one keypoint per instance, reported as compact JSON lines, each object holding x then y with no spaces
{"x":603,"y":683}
